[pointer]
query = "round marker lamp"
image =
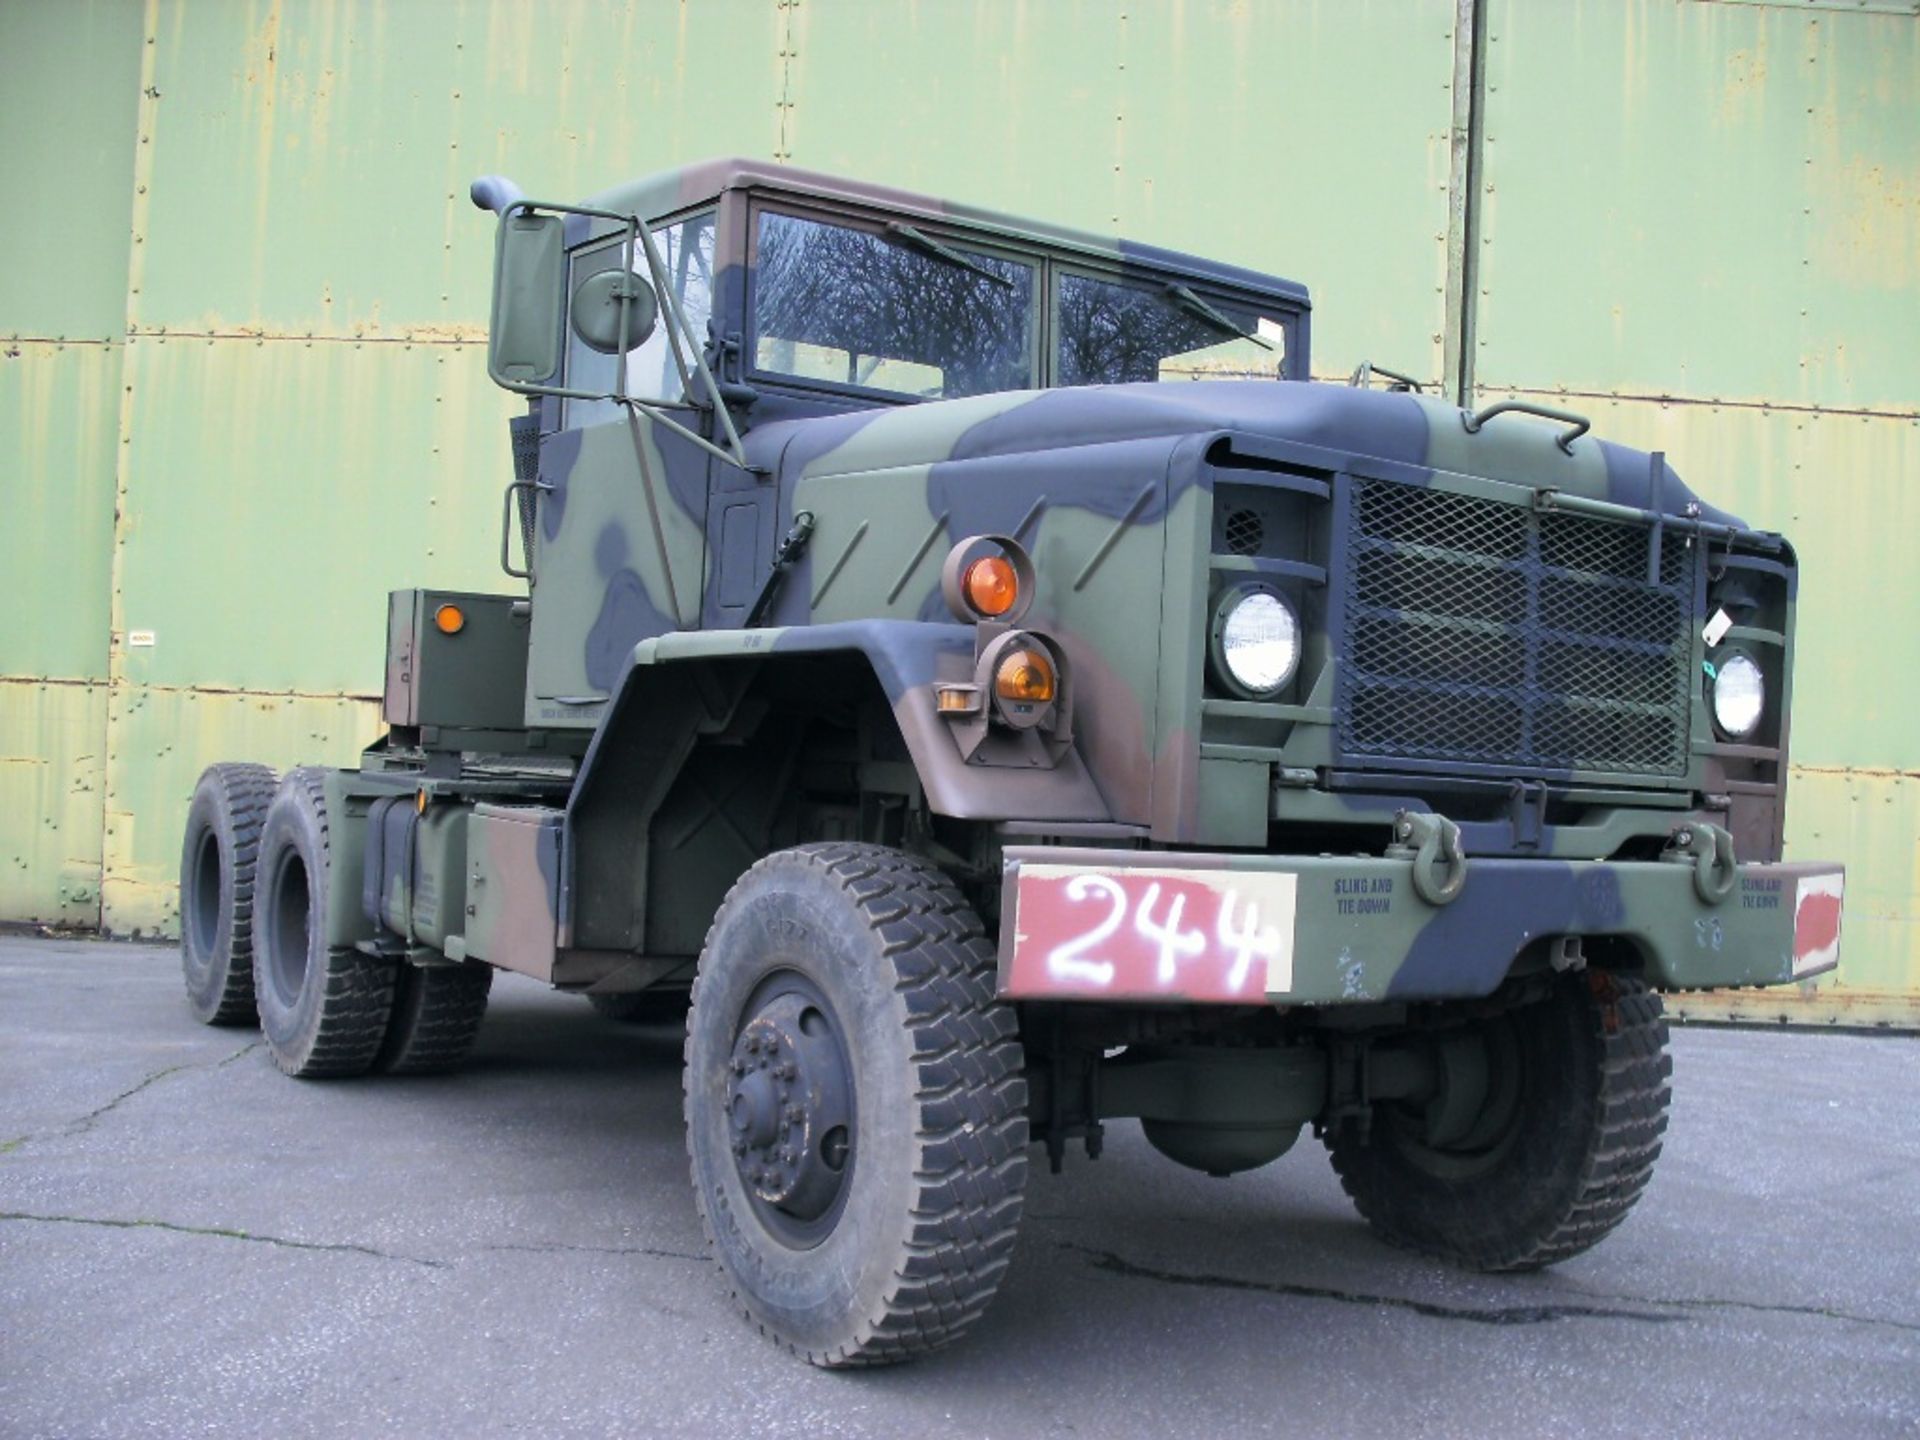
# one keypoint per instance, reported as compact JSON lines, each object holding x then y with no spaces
{"x":990,"y":585}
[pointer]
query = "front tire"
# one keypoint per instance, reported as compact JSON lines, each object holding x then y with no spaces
{"x":323,"y":1008}
{"x":856,"y":1112}
{"x":1576,"y":1106}
{"x":217,"y":857}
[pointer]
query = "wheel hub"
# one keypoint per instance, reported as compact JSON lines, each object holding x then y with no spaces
{"x":789,"y":1109}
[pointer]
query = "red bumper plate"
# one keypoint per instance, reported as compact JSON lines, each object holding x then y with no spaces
{"x":1140,"y":933}
{"x":1816,"y":923}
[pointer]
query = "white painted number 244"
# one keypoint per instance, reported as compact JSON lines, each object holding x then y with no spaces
{"x":1237,"y":943}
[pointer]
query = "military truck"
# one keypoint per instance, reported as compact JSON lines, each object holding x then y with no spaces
{"x":970,"y":671}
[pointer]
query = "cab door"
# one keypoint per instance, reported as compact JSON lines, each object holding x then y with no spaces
{"x":621,"y":501}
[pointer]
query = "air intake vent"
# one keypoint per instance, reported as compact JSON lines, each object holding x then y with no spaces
{"x":1244,"y":533}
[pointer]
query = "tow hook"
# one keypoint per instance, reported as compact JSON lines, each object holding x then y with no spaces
{"x":1709,"y":849}
{"x":1432,"y":842}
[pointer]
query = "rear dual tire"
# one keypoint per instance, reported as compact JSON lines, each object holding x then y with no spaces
{"x":330,"y":1010}
{"x":217,"y":872}
{"x":324,"y":1009}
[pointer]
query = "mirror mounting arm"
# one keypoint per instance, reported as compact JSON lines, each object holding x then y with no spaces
{"x":503,"y":197}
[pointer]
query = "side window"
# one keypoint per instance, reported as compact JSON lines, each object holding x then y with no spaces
{"x":686,"y":247}
{"x":1111,"y":333}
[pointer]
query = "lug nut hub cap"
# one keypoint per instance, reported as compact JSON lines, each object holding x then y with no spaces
{"x":789,"y":1110}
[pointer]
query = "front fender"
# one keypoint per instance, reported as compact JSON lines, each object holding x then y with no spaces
{"x":906,"y":657}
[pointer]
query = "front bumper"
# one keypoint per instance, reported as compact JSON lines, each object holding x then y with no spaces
{"x":1161,"y":926}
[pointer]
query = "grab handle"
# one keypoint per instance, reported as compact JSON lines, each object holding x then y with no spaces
{"x":1577,"y":425}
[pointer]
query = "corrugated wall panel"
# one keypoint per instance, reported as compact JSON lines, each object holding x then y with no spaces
{"x":1015,"y":106}
{"x":161,"y":741}
{"x":308,"y":421}
{"x":59,"y":413}
{"x":1701,"y":199}
{"x":71,"y":88}
{"x":312,"y":161}
{"x":279,"y":490}
{"x":1308,"y":140}
{"x":69,"y":92}
{"x":51,"y":784}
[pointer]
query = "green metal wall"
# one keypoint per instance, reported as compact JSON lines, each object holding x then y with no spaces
{"x":242,"y":306}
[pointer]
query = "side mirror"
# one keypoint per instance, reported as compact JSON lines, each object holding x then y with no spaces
{"x":598,"y":302}
{"x":529,"y":292}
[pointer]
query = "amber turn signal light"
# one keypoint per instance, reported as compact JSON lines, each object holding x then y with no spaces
{"x":1026,"y":676}
{"x":449,"y":620}
{"x":991,"y":586}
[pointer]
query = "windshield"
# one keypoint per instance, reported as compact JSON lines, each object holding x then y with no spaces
{"x":892,"y":310}
{"x":1112,"y":332}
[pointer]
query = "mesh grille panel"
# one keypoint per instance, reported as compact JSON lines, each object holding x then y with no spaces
{"x":1489,"y":633}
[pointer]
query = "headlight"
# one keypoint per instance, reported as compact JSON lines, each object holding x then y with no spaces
{"x":1739,"y":695}
{"x":1256,"y":641}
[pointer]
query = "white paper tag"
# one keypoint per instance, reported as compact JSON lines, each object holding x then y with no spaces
{"x":139,"y":639}
{"x":1271,"y":330}
{"x":1717,"y":628}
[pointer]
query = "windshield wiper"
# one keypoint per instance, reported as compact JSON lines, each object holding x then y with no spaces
{"x":1194,"y":305}
{"x":921,"y":241}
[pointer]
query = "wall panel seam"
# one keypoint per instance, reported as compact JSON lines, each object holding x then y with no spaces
{"x":1717,"y":402}
{"x":266,"y":337}
{"x":145,"y":126}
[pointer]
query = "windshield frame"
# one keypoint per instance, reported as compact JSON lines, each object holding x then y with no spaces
{"x":1050,"y":261}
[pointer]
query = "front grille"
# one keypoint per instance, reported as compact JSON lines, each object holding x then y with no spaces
{"x":1493,"y":634}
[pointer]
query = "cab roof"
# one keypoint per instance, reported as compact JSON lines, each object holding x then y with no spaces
{"x":654,"y":197}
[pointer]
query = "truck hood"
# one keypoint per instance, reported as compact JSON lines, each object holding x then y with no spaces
{"x":1403,"y":429}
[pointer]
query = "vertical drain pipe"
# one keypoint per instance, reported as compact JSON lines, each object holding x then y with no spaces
{"x":1464,"y":190}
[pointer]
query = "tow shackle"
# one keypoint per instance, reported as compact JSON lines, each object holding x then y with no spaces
{"x":1709,"y":849}
{"x":1432,"y":842}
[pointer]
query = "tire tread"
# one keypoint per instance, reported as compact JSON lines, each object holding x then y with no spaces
{"x":437,"y":1012}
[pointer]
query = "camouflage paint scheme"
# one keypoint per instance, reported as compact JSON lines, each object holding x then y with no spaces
{"x":642,"y":587}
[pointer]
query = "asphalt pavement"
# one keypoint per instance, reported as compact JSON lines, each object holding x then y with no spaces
{"x":191,"y":1244}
